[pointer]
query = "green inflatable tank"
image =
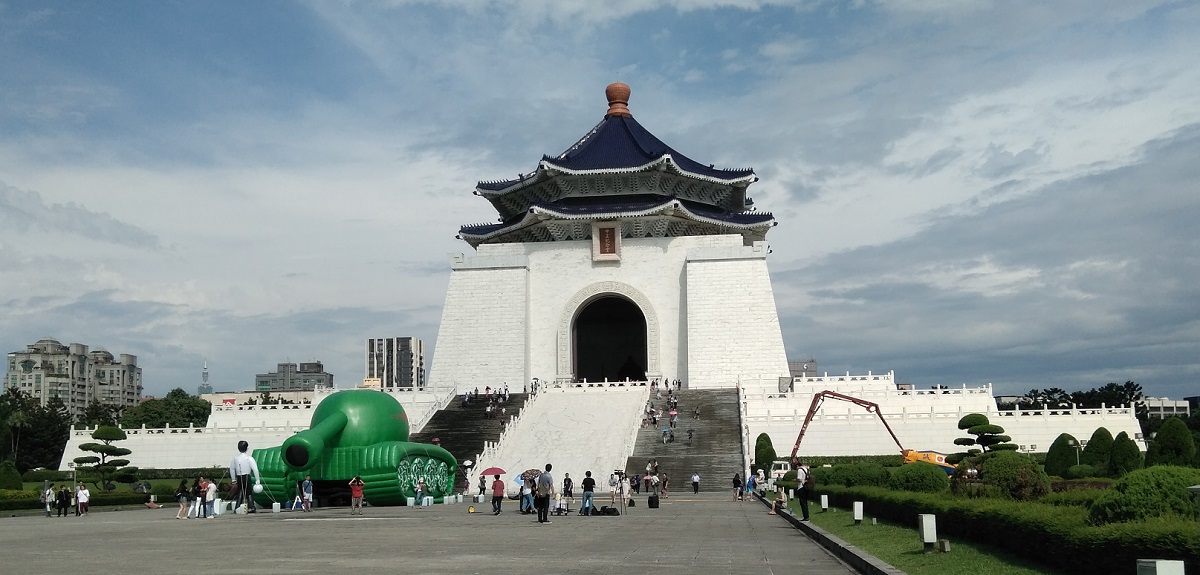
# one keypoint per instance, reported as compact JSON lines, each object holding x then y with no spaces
{"x":357,"y":432}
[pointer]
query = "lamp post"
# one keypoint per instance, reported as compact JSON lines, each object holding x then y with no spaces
{"x":1075,"y":444}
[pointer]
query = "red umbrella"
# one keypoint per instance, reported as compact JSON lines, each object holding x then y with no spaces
{"x":672,"y":412}
{"x":493,"y":471}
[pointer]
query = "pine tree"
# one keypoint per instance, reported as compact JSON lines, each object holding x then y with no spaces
{"x":101,"y":467}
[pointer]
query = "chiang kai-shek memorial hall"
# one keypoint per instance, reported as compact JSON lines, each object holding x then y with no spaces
{"x":619,"y":258}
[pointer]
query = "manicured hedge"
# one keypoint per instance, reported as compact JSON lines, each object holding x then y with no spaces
{"x":1150,"y":492}
{"x":920,"y":476}
{"x":1058,"y":536}
{"x":105,"y":499}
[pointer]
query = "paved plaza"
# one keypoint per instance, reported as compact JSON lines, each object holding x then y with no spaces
{"x":689,"y":534}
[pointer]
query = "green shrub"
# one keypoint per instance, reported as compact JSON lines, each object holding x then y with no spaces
{"x":1145,"y":493}
{"x":1073,"y":498}
{"x":867,"y":474}
{"x":1016,"y":475}
{"x":1098,"y":452}
{"x":1172,"y":445}
{"x":1080,"y":471}
{"x":1086,"y":483}
{"x":764,"y":452}
{"x":920,"y":476}
{"x":10,"y":478}
{"x":17,"y":494}
{"x":1125,"y":455}
{"x":1061,"y":455}
{"x":51,"y":475}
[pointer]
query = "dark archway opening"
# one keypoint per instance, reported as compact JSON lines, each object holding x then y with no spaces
{"x":610,"y":341}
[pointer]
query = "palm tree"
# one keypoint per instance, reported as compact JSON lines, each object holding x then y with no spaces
{"x":15,"y":421}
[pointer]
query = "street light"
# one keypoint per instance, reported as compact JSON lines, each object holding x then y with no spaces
{"x":1074,"y":444}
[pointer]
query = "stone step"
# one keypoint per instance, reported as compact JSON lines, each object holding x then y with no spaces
{"x":714,"y":450}
{"x":463,"y":431}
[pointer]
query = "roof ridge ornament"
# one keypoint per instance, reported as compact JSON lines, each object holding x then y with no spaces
{"x":618,"y":99}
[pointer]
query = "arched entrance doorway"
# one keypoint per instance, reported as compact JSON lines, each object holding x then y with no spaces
{"x":610,"y":340}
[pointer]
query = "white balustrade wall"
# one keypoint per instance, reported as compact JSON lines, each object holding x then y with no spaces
{"x":925,"y":419}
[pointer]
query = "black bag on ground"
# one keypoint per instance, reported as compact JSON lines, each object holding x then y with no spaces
{"x":631,"y":502}
{"x":652,"y":502}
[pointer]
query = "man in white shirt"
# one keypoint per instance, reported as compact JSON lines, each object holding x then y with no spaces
{"x":240,"y":468}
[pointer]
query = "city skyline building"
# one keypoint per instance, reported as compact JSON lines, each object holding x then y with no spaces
{"x":294,"y":377}
{"x":75,"y":374}
{"x":395,"y":363}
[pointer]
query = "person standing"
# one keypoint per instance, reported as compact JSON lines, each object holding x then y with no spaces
{"x":83,"y":498}
{"x":240,"y":468}
{"x":695,"y":482}
{"x":589,"y":488}
{"x":482,"y":484}
{"x":211,"y":498}
{"x":545,"y":491}
{"x":613,"y":480}
{"x":307,"y":489}
{"x":497,"y":494}
{"x":202,"y":499}
{"x":665,"y":480}
{"x":568,"y":488}
{"x":64,"y":500}
{"x":804,"y":479}
{"x":737,"y":486}
{"x":48,"y":498}
{"x":356,"y":495}
{"x":420,"y":492}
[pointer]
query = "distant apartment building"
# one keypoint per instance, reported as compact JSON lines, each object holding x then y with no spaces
{"x":75,"y":375}
{"x":293,"y":377}
{"x":395,"y":363}
{"x":1163,"y":407}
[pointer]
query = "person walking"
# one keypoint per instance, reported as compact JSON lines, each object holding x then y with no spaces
{"x":181,"y":495}
{"x":497,"y":494}
{"x":695,"y":482}
{"x":737,"y":486}
{"x":589,"y":488}
{"x":665,"y":480}
{"x":83,"y":499}
{"x":307,"y":489}
{"x":64,"y":500}
{"x":356,"y":495}
{"x":545,"y":492}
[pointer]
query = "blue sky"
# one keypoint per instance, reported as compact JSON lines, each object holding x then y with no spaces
{"x":968,"y":192}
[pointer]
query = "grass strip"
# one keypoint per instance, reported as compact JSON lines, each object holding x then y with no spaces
{"x":901,"y":547}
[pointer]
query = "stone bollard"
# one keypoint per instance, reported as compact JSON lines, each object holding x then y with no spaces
{"x":858,"y":512}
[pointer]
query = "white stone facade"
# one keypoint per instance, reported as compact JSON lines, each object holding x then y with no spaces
{"x":710,"y":312}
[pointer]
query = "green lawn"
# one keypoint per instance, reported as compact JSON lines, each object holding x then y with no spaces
{"x":901,"y":547}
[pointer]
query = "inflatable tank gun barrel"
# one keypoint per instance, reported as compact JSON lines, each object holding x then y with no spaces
{"x":303,"y":450}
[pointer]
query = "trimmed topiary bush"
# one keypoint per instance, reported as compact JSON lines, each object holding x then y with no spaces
{"x":859,"y":474}
{"x":1015,"y":475}
{"x":1172,"y":445}
{"x":1061,"y":455}
{"x":920,"y":476}
{"x":10,"y":478}
{"x":1125,"y":455}
{"x":1080,"y":471}
{"x":1147,"y":493}
{"x":764,"y":452}
{"x":1098,"y":452}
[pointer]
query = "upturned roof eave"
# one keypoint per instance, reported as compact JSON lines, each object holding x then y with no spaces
{"x":548,"y":169}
